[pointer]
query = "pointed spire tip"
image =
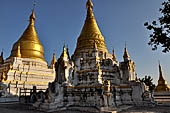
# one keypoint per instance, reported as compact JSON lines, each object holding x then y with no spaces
{"x":89,"y":4}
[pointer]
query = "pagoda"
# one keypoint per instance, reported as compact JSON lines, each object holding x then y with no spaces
{"x":26,"y":66}
{"x":162,"y":90}
{"x":93,"y":79}
{"x":162,"y":83}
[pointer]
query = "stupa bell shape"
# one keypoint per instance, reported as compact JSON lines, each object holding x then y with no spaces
{"x":90,"y":33}
{"x":162,"y":83}
{"x":30,"y":46}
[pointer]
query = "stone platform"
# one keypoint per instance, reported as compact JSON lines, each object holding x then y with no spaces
{"x":9,"y":99}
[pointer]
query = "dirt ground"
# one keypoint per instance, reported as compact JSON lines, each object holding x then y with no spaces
{"x":16,"y":108}
{"x":156,"y":109}
{"x":25,"y":108}
{"x":22,"y":108}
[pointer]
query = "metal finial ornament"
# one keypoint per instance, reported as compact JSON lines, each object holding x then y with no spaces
{"x":34,"y":4}
{"x":89,"y":4}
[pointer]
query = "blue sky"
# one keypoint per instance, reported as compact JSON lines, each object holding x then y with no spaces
{"x":57,"y":21}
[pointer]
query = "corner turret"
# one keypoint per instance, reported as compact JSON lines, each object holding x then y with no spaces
{"x":127,"y":68}
{"x":63,"y":67}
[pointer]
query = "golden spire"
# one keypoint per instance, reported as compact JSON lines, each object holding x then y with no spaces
{"x":53,"y":61}
{"x":89,"y":4}
{"x":162,"y":83}
{"x":90,"y":33}
{"x":114,"y":56}
{"x":18,"y":54}
{"x":126,"y":55}
{"x":64,"y":53}
{"x":29,"y":42}
{"x":32,"y":18}
{"x":161,"y":74}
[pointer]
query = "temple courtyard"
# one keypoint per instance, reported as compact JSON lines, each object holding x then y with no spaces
{"x":25,"y":108}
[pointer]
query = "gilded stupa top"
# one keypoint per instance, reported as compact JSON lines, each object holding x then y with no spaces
{"x":162,"y":83}
{"x":90,"y":33}
{"x":30,"y":33}
{"x":64,"y":53}
{"x":30,"y":46}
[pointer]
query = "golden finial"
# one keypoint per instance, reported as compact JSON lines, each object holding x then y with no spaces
{"x":114,"y":56}
{"x":34,"y":4}
{"x":126,"y":55}
{"x":64,"y":53}
{"x":53,"y":60}
{"x":18,"y":54}
{"x":89,"y":4}
{"x":32,"y":16}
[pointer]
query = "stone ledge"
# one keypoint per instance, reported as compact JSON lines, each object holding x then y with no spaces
{"x":9,"y":99}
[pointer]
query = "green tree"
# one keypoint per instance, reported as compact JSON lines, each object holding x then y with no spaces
{"x":148,"y":81}
{"x":160,"y":29}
